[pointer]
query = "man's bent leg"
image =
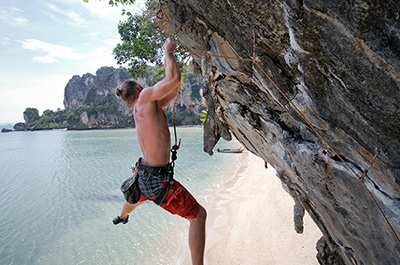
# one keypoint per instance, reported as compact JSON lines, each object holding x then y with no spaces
{"x":179,"y":201}
{"x":128,"y":208}
{"x":197,"y":236}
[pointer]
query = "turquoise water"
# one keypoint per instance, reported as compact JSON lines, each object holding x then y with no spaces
{"x":60,"y":191}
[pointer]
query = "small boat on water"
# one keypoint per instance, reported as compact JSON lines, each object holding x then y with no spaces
{"x":229,"y":150}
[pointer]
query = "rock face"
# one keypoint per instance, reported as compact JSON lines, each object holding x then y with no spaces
{"x":338,"y":62}
{"x":91,"y":103}
{"x":94,"y":89}
{"x":95,"y":94}
{"x":76,"y":90}
{"x":105,"y":82}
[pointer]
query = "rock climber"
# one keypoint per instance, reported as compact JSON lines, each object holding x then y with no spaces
{"x":153,"y":179}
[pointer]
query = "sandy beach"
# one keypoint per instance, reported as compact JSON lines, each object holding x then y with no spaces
{"x":251,"y":221}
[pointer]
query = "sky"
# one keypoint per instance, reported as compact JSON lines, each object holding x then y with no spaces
{"x":43,"y":43}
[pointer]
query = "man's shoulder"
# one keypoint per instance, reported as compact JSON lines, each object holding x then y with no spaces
{"x":143,"y":106}
{"x":145,"y":95}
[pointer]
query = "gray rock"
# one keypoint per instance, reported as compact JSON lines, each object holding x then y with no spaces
{"x":76,"y":90}
{"x":339,"y":63}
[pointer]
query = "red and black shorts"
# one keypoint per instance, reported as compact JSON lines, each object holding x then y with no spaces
{"x":148,"y":181}
{"x":179,"y":201}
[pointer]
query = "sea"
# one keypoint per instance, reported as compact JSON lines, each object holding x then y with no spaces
{"x":60,"y":190}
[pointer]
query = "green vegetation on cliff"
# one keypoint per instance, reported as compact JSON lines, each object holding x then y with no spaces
{"x":48,"y":121}
{"x":100,"y":108}
{"x":62,"y":119}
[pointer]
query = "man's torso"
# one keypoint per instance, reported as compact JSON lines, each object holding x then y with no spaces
{"x":153,"y":133}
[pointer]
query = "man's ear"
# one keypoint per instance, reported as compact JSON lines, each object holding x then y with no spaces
{"x":131,"y":102}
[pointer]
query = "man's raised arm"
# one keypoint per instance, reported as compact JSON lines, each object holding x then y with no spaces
{"x":171,"y":66}
{"x":172,"y":72}
{"x":167,"y":89}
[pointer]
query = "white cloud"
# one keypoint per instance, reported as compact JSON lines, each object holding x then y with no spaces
{"x":100,"y":56}
{"x":75,"y":18}
{"x":20,"y":21}
{"x":97,"y":57}
{"x":11,"y":15}
{"x":112,"y":42}
{"x":54,"y":52}
{"x":103,"y":10}
{"x":15,"y":9}
{"x":45,"y":59}
{"x":4,"y":41}
{"x":72,"y":17}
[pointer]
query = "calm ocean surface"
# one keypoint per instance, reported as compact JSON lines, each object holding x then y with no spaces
{"x":60,"y":191}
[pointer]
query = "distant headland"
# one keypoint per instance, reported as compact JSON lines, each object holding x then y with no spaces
{"x":90,"y":103}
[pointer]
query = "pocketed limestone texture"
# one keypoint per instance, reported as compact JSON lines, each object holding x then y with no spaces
{"x":339,"y":63}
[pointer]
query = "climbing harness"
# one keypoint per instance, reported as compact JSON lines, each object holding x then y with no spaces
{"x":253,"y":59}
{"x":152,"y":188}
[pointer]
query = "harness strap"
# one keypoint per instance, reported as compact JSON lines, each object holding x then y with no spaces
{"x":163,"y":192}
{"x":159,"y":198}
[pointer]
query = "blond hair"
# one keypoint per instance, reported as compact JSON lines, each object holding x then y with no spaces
{"x":127,"y":91}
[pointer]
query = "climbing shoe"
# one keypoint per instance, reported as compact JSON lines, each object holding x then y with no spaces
{"x":118,"y":220}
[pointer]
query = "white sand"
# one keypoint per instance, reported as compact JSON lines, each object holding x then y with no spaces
{"x":251,"y":221}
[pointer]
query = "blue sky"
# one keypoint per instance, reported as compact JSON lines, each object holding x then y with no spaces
{"x":44,"y":43}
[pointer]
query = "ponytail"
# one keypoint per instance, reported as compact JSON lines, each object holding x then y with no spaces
{"x":118,"y":92}
{"x":127,"y":91}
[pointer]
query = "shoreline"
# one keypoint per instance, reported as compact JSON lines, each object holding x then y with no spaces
{"x":89,"y":129}
{"x":250,"y":221}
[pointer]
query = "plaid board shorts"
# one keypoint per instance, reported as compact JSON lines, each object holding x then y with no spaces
{"x":151,"y":182}
{"x":177,"y":201}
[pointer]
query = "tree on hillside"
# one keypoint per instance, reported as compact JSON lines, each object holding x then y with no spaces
{"x":142,"y":39}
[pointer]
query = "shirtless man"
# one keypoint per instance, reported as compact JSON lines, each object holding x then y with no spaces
{"x":153,"y":171}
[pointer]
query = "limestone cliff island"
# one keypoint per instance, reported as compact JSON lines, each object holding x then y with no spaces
{"x":90,"y":103}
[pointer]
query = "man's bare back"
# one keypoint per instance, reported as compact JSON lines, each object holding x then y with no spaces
{"x":152,"y":132}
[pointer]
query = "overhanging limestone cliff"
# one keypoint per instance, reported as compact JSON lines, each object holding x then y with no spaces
{"x":339,"y":63}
